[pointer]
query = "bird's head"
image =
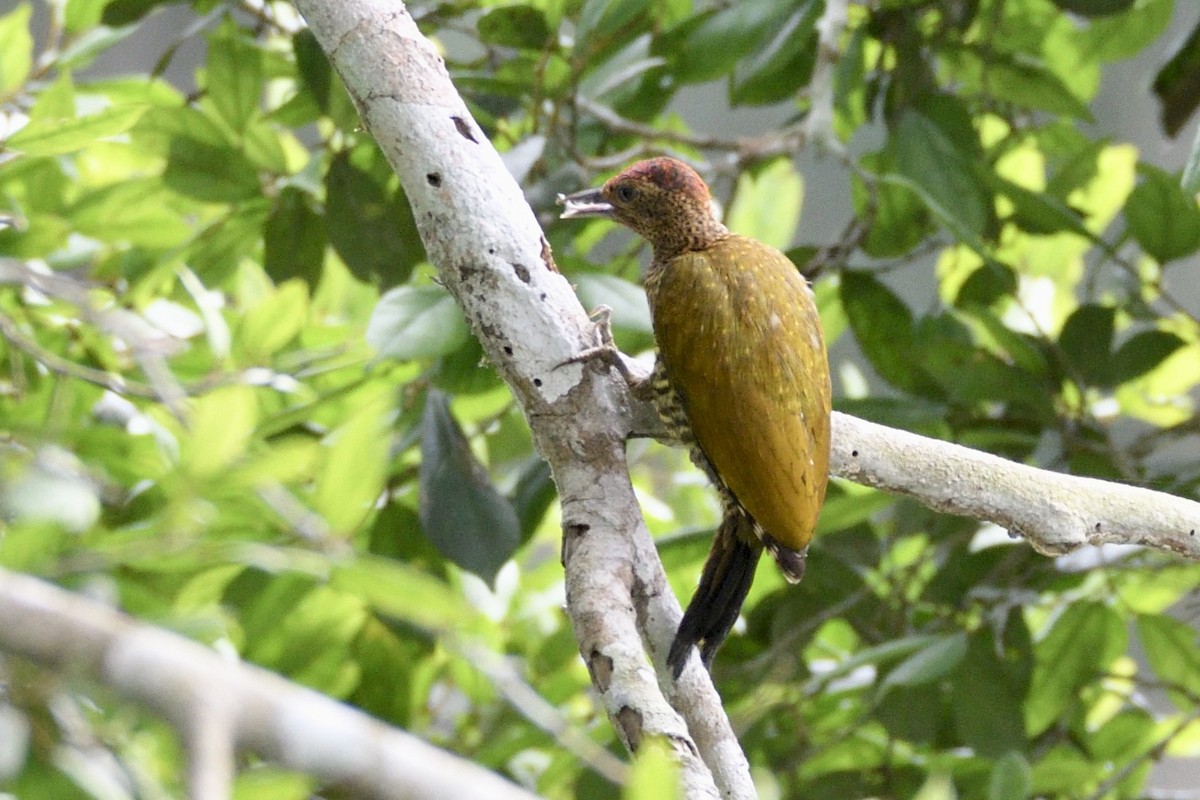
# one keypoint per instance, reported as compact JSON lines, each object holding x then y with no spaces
{"x":662,"y":199}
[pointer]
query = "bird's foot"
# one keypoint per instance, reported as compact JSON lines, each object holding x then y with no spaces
{"x":606,"y":351}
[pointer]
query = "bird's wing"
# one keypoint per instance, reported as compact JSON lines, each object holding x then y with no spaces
{"x":740,"y":339}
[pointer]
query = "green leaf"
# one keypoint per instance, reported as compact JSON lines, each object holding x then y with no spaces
{"x":1086,"y":341}
{"x":313,"y":66}
{"x":988,"y":697}
{"x":234,"y":75}
{"x":1130,"y":732}
{"x":464,"y":516}
{"x":938,"y":659}
{"x":519,"y":26}
{"x":294,"y":238}
{"x":1039,"y":212}
{"x":655,"y":772}
{"x":352,"y":476}
{"x":630,"y":310}
{"x":1094,"y":8}
{"x":1177,"y":84}
{"x":50,"y":137}
{"x":274,"y":321}
{"x":898,"y":218}
{"x":416,"y":322}
{"x":217,"y":250}
{"x":1142,"y":353}
{"x":136,"y":211}
{"x":16,"y":48}
{"x":533,"y":494}
{"x":222,"y":423}
{"x":210,"y":172}
{"x":726,"y":36}
{"x":776,"y":71}
{"x":1162,"y":216}
{"x":930,"y":160}
{"x":373,"y":233}
{"x":1078,"y":648}
{"x":1124,"y":35}
{"x":1018,"y":78}
{"x":883,"y":326}
{"x":1011,"y":778}
{"x":766,"y":205}
{"x":79,"y":15}
{"x":390,"y":586}
{"x":1174,"y":654}
{"x":465,"y":371}
{"x":601,"y":24}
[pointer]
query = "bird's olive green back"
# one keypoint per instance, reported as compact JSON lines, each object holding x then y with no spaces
{"x":739,"y":336}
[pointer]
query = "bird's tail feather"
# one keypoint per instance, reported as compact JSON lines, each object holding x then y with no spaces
{"x":724,"y":583}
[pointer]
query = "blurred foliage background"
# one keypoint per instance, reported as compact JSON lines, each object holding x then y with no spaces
{"x":235,"y":402}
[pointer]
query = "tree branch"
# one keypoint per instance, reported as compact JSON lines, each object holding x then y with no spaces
{"x":491,"y":254}
{"x":217,"y":703}
{"x":493,"y":258}
{"x":1056,"y":513}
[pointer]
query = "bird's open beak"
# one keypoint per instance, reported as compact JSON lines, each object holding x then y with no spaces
{"x":589,"y":203}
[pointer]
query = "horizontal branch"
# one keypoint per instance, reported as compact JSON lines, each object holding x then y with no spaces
{"x":1056,"y":513}
{"x":214,"y":701}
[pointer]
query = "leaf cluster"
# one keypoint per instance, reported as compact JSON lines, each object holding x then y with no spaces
{"x":235,"y":399}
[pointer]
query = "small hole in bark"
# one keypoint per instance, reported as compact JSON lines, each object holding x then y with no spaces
{"x":537,"y":382}
{"x":434,"y":179}
{"x":854,"y":454}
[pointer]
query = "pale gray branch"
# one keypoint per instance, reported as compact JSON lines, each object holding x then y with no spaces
{"x":218,"y":704}
{"x":1056,"y":513}
{"x":491,"y":255}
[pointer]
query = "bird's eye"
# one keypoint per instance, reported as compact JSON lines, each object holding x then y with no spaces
{"x":625,"y":193}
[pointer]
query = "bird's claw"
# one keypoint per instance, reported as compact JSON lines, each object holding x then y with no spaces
{"x":606,"y":351}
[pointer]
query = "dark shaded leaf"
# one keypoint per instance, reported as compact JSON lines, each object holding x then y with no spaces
{"x":533,"y":494}
{"x":931,"y":663}
{"x":1142,"y":353}
{"x":1177,"y":84}
{"x":1162,"y":216}
{"x":1041,"y":213}
{"x":912,"y":713}
{"x":899,"y":219}
{"x":373,"y":233}
{"x":313,"y":66}
{"x":124,"y":12}
{"x":464,"y":371}
{"x":468,"y":521}
{"x":294,"y":238}
{"x":210,"y":172}
{"x":987,"y":699}
{"x":883,"y":326}
{"x":1094,"y":8}
{"x":216,"y":251}
{"x":724,"y":37}
{"x":517,"y":26}
{"x":930,"y":160}
{"x":1086,"y":341}
{"x":776,"y":71}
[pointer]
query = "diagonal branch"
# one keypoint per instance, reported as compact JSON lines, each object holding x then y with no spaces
{"x":491,"y":255}
{"x":219,"y":704}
